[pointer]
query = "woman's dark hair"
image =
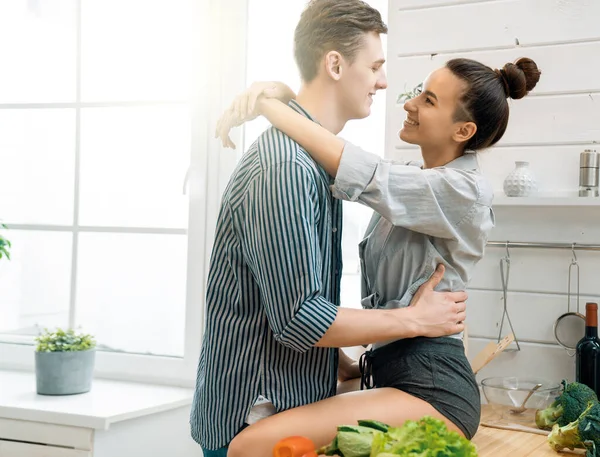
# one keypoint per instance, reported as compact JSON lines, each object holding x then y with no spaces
{"x":484,"y":99}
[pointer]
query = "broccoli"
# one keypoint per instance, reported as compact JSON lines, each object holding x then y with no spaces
{"x":567,"y":407}
{"x":583,"y":433}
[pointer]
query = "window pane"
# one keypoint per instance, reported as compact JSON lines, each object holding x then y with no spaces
{"x":37,"y":153}
{"x":133,"y":164}
{"x":131,"y":291}
{"x":135,"y":49}
{"x":35,"y":284}
{"x":356,"y":219}
{"x":261,"y":66}
{"x":37,"y":51}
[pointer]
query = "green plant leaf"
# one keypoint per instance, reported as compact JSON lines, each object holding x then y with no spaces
{"x":406,"y":96}
{"x":64,"y":341}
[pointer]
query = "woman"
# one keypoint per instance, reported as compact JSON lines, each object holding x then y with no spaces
{"x":440,"y":213}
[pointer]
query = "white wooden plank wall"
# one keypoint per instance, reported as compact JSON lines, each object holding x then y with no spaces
{"x":549,"y":129}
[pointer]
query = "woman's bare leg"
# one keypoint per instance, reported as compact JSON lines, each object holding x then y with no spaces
{"x":318,"y":421}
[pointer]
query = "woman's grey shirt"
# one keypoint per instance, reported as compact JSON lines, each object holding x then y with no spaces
{"x":422,"y":217}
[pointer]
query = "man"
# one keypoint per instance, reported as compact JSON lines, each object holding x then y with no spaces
{"x":273,"y":318}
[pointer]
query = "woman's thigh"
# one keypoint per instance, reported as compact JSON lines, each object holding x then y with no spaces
{"x":318,"y":421}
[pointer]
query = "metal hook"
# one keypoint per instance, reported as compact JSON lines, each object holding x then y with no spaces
{"x":576,"y":265}
{"x":507,"y":253}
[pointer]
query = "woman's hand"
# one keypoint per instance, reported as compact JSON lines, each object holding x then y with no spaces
{"x":244,"y":107}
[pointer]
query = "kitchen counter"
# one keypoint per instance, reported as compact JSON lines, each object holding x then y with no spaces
{"x":493,"y":442}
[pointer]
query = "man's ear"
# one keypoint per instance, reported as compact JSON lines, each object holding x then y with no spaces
{"x":464,"y":132}
{"x":333,"y":65}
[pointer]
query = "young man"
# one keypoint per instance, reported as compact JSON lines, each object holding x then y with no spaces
{"x":273,"y":318}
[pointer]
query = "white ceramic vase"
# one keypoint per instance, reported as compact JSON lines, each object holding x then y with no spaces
{"x":520,"y":182}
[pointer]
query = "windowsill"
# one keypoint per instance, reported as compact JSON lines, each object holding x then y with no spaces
{"x":107,"y":402}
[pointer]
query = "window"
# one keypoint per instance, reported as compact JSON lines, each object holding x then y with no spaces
{"x":97,"y":133}
{"x":270,"y":57}
{"x":111,"y":180}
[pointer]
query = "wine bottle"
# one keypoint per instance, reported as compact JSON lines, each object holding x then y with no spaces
{"x":588,"y":351}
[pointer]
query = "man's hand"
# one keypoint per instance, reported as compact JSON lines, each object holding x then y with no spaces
{"x":437,"y":313}
{"x":244,"y":107}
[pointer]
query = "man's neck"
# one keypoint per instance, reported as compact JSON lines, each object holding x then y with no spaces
{"x":322,"y":104}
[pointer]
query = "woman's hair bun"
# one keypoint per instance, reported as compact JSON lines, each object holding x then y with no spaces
{"x":519,"y":78}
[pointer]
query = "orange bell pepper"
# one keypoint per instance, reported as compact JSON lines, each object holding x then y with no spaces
{"x":295,"y":446}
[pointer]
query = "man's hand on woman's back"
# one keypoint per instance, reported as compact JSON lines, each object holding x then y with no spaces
{"x":437,"y":313}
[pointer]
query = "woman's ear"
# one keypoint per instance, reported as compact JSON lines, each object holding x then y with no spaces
{"x":464,"y":132}
{"x":333,"y":65}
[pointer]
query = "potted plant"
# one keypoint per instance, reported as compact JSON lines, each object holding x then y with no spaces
{"x":64,"y":362}
{"x":4,"y":245}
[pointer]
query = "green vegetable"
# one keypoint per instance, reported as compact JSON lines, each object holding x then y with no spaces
{"x":427,"y":437}
{"x":374,"y":424}
{"x":581,"y":433}
{"x":353,"y":444}
{"x":351,"y":440}
{"x":567,"y":407}
{"x":356,"y":429}
{"x":330,"y":449}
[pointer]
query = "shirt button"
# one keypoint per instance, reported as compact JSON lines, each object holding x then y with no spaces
{"x":334,"y":229}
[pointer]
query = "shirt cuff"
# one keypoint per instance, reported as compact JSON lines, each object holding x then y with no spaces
{"x":310,"y":323}
{"x":355,"y":172}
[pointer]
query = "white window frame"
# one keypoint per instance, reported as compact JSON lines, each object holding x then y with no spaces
{"x":222,"y":24}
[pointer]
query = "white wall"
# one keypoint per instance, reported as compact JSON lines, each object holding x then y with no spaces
{"x":549,"y":129}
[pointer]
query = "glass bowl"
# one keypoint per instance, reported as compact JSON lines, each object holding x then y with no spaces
{"x":508,"y":392}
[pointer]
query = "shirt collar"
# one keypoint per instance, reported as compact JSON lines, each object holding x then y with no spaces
{"x":296,"y":107}
{"x":467,"y":161}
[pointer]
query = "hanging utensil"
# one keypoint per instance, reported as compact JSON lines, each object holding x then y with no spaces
{"x":490,"y":352}
{"x":504,"y":276}
{"x":569,"y":328}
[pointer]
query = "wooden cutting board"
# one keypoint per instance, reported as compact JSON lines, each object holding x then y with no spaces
{"x":493,"y":442}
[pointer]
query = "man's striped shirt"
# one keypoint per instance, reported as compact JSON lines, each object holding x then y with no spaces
{"x":273,"y":290}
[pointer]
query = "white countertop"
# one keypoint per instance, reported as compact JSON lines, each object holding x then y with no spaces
{"x":106,"y":403}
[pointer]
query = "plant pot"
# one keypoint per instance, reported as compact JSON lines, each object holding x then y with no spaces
{"x":64,"y":373}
